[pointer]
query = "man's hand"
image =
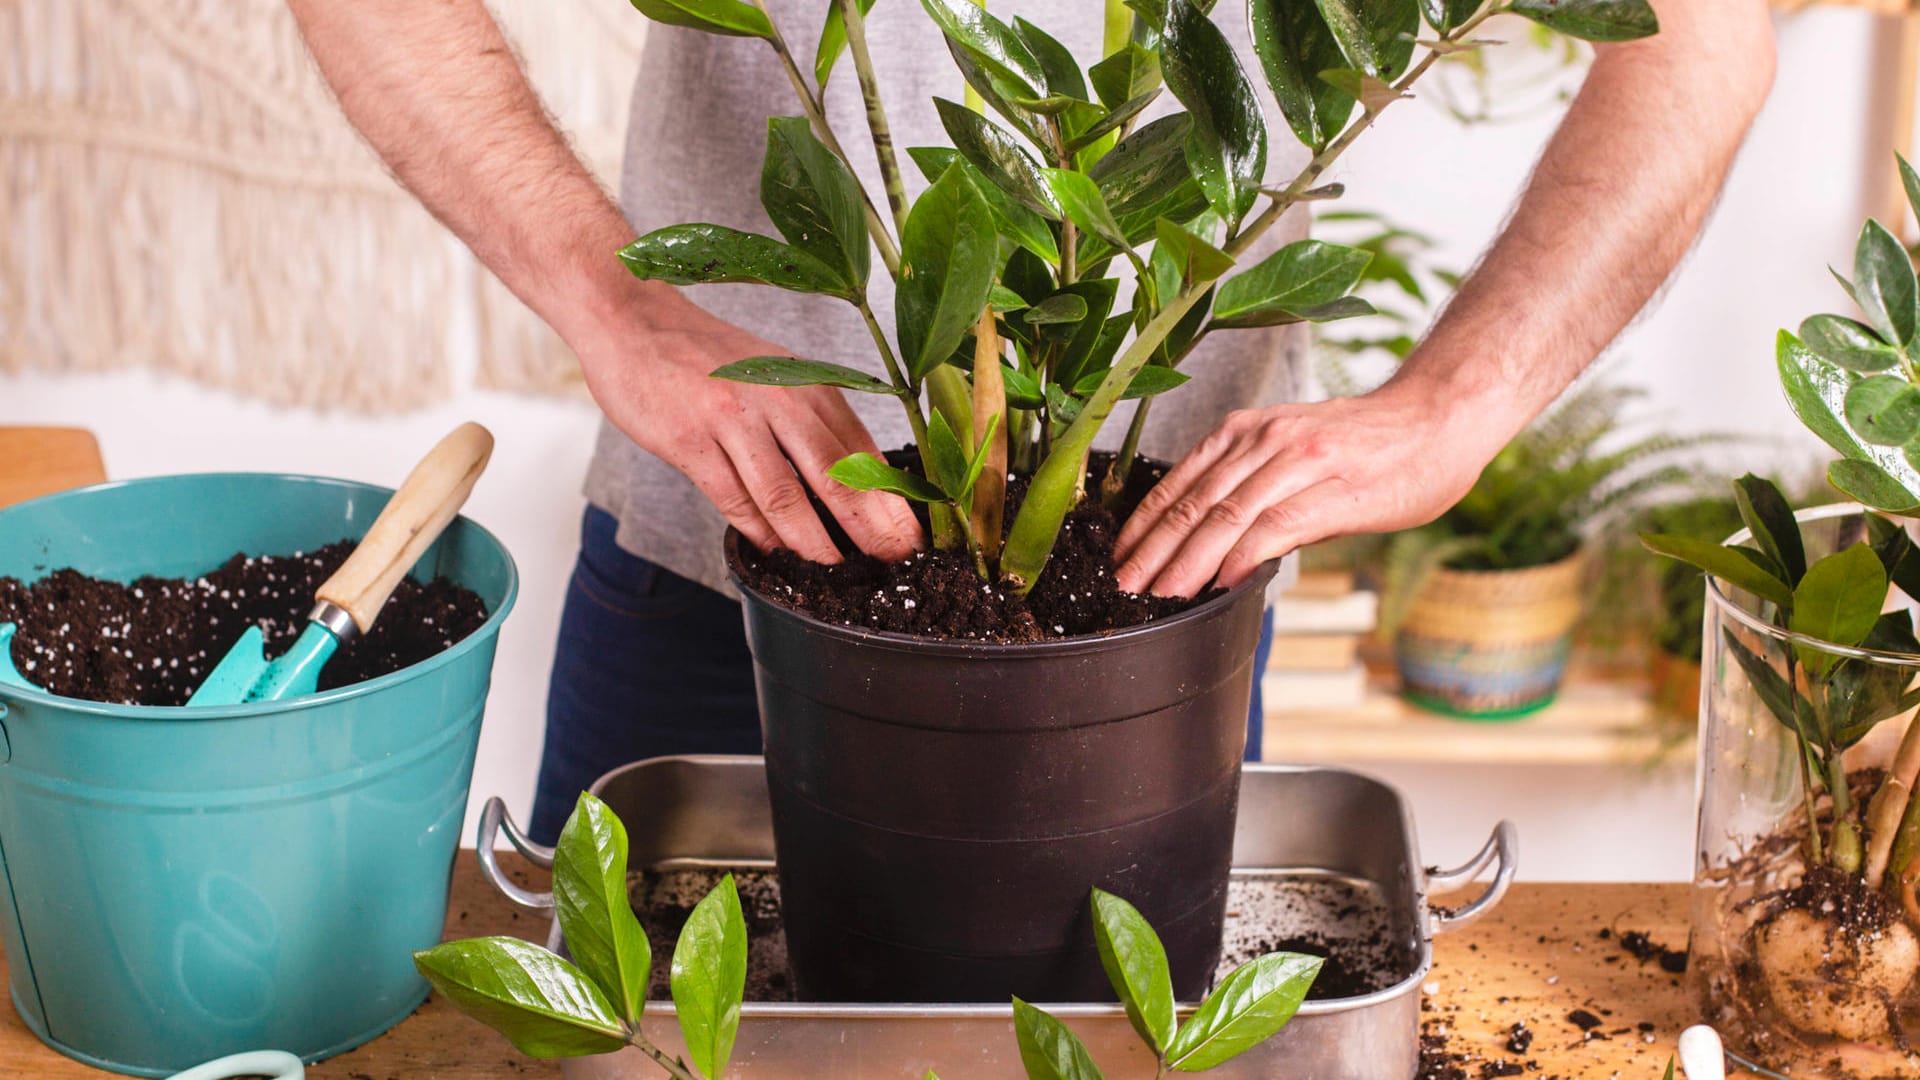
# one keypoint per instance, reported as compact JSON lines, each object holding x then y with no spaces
{"x":438,"y":93}
{"x":735,"y":440}
{"x":1613,"y":204}
{"x":1274,"y":479}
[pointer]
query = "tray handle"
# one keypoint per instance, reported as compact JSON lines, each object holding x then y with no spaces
{"x":1502,"y":851}
{"x":493,"y":821}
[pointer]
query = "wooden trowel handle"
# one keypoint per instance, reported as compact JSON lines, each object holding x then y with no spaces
{"x":426,"y":502}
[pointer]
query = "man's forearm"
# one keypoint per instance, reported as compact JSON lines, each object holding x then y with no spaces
{"x":1612,"y":207}
{"x":436,"y":90}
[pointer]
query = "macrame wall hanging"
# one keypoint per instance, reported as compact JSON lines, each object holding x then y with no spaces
{"x":179,"y":191}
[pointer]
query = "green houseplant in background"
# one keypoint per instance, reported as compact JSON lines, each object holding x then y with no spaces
{"x":550,"y":1006}
{"x":1012,"y":347}
{"x":1482,"y":603}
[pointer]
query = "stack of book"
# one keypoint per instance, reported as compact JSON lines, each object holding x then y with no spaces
{"x":1318,"y":625}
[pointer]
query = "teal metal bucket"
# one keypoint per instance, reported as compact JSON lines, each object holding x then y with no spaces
{"x":181,"y":884}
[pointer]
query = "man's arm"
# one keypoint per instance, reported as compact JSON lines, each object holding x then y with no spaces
{"x":435,"y":89}
{"x":1612,"y":206}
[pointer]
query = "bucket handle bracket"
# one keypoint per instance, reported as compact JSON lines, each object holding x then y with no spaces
{"x":495,"y":820}
{"x":1502,"y":851}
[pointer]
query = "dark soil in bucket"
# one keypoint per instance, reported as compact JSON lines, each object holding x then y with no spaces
{"x":938,"y":594}
{"x":153,"y":642}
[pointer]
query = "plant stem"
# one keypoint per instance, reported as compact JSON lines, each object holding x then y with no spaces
{"x":1891,"y":805}
{"x":876,"y":226}
{"x":1815,"y":851}
{"x":946,"y":533}
{"x":989,"y":400}
{"x":674,"y":1068}
{"x":1117,"y":29}
{"x":1844,"y":848}
{"x":876,"y":113}
{"x":1116,"y":479}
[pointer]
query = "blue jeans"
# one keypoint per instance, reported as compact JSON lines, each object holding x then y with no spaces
{"x":650,"y":663}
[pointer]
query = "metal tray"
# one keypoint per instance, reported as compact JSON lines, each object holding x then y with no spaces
{"x":711,"y":812}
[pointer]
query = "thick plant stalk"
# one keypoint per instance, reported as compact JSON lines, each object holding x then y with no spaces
{"x":876,"y":227}
{"x":1894,"y":804}
{"x":1844,"y":846}
{"x":876,"y":114}
{"x":989,"y":400}
{"x":1117,"y":29}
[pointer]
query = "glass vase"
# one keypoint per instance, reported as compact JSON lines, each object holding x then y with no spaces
{"x":1804,"y":949}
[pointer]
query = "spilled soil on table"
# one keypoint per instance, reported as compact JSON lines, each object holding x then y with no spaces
{"x":153,"y":641}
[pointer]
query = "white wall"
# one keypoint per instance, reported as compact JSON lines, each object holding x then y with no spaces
{"x":1793,"y":205}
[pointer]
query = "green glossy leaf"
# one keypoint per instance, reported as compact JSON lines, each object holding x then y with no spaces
{"x":991,"y":45}
{"x":1145,"y":177}
{"x":1294,"y":45}
{"x":792,"y":371}
{"x":1736,"y":566}
{"x":812,"y":198}
{"x":1023,"y":391}
{"x":1112,"y":121}
{"x":1186,"y":259}
{"x":1015,"y":221}
{"x":1769,"y":517}
{"x":1839,"y":599}
{"x":1768,"y":685}
{"x":946,"y":459}
{"x":1057,"y":65}
{"x":998,"y":157}
{"x":710,"y":977}
{"x":1815,"y":389}
{"x":949,"y":252}
{"x":1128,"y":74}
{"x":1048,"y":1049}
{"x":729,"y":17}
{"x":1079,"y":198}
{"x":1301,"y":276}
{"x":1227,"y":146}
{"x":980,"y":453}
{"x":864,"y":472}
{"x":545,"y":1006}
{"x":1147,"y":382}
{"x":833,"y":40}
{"x":1883,"y":410}
{"x":1105,"y":345}
{"x":1059,"y":308}
{"x":1444,"y":15}
{"x":1004,"y":300}
{"x":1248,"y":1006}
{"x":1883,"y":284}
{"x":1848,"y":344}
{"x":1081,"y":349}
{"x":1910,"y":181}
{"x":1135,"y":961}
{"x":1865,"y":482}
{"x":1897,"y":553}
{"x":1376,"y":36}
{"x":590,"y":901}
{"x":1592,"y":20}
{"x":1347,"y":307}
{"x":999,"y":95}
{"x":709,"y":254}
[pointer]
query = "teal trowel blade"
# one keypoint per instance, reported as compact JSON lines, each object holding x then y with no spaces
{"x":245,"y":674}
{"x":9,"y":675}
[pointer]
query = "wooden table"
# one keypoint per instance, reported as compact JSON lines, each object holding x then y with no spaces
{"x":36,"y":461}
{"x":1535,"y":960}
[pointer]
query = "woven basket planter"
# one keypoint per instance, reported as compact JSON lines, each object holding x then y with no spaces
{"x":1490,"y":644}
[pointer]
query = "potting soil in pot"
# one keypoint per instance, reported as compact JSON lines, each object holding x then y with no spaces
{"x":939,"y":594}
{"x":153,"y":641}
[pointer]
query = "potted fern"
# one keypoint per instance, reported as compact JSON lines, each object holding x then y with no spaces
{"x":949,"y":770}
{"x":1482,"y":603}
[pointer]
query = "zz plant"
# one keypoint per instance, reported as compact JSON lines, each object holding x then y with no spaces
{"x":549,"y":1007}
{"x":1029,"y":223}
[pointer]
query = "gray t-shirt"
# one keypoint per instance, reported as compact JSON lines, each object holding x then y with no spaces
{"x":695,"y":139}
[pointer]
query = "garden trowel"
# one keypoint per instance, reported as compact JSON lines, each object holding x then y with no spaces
{"x":349,"y":601}
{"x":9,"y":675}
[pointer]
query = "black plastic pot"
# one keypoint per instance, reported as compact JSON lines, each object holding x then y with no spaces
{"x":942,"y":809}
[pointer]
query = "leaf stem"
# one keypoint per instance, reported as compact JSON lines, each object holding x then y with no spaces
{"x":876,"y":113}
{"x":946,"y":531}
{"x":674,"y":1068}
{"x":876,"y":226}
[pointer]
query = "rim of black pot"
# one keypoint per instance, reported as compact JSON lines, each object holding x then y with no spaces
{"x":1052,"y":646}
{"x":35,"y":694}
{"x":1717,"y":595}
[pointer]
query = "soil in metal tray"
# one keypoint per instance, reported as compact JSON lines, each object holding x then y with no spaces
{"x":152,"y":642}
{"x":938,"y":593}
{"x":1345,"y":922}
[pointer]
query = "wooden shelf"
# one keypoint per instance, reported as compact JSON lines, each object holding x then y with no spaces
{"x":1596,"y":721}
